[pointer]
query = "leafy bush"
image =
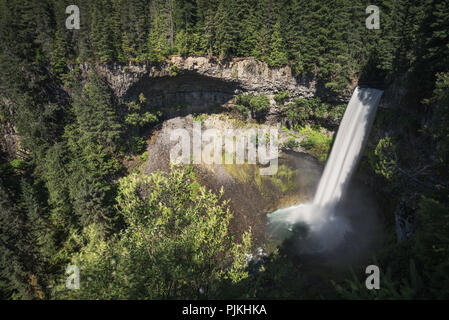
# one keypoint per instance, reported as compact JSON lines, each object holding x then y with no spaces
{"x":18,"y":164}
{"x":320,"y":111}
{"x":385,"y":158}
{"x":137,"y":144}
{"x":291,"y":143}
{"x":302,"y":110}
{"x":257,"y":104}
{"x":200,"y":117}
{"x":144,"y":156}
{"x":176,"y":243}
{"x":244,"y":99}
{"x":280,"y":97}
{"x":242,"y":110}
{"x":336,"y":113}
{"x":140,"y":120}
{"x":432,"y":236}
{"x":316,"y":142}
{"x":174,"y":70}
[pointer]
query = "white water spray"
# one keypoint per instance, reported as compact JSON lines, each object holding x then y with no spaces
{"x":326,"y":228}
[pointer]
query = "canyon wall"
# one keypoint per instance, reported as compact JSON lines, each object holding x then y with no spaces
{"x":198,"y":84}
{"x":250,"y":75}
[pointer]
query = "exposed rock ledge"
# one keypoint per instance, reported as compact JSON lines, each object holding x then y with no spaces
{"x":249,"y":74}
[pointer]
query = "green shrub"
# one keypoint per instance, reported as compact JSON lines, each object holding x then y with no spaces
{"x":281,"y":96}
{"x":384,"y":159}
{"x":320,"y":111}
{"x":299,"y":111}
{"x":242,"y":109}
{"x":137,"y":144}
{"x":18,"y":164}
{"x":302,"y":110}
{"x":291,"y":143}
{"x":200,"y":117}
{"x":174,"y":70}
{"x":244,"y":99}
{"x":316,"y":142}
{"x":144,"y":156}
{"x":257,"y":104}
{"x":176,"y":239}
{"x":336,"y":113}
{"x":140,"y":120}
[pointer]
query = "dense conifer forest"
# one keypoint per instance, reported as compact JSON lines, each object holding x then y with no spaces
{"x":67,"y":198}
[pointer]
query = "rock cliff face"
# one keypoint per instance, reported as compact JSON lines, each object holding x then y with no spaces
{"x":245,"y":73}
{"x":199,"y":83}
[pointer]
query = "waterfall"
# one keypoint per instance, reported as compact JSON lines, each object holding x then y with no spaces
{"x":348,"y":145}
{"x":319,"y":216}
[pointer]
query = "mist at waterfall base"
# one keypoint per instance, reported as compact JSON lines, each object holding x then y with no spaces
{"x":337,"y":219}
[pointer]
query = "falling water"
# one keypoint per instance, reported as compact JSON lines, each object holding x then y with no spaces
{"x":320,"y":217}
{"x":348,"y":145}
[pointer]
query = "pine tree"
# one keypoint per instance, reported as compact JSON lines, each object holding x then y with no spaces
{"x":14,"y":272}
{"x":59,"y":61}
{"x":158,"y":44}
{"x":92,"y":140}
{"x":224,"y":37}
{"x":278,"y":57}
{"x":245,"y":25}
{"x":208,"y":26}
{"x":101,"y":31}
{"x":24,"y":245}
{"x":56,"y":175}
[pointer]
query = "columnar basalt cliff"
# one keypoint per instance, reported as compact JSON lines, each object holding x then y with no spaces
{"x":198,"y":84}
{"x":249,"y":75}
